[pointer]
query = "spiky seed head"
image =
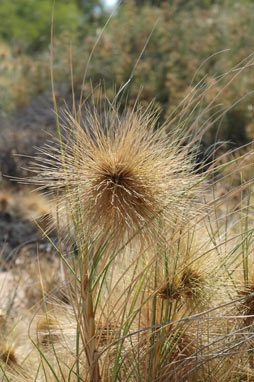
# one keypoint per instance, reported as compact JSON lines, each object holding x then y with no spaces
{"x":46,"y":324}
{"x":7,"y":355}
{"x":46,"y":331}
{"x":122,"y":177}
{"x":188,"y":284}
{"x":193,"y":283}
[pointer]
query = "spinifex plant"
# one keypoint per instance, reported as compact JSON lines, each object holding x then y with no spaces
{"x":124,"y":178}
{"x":152,"y":290}
{"x":122,"y":185}
{"x":127,"y":200}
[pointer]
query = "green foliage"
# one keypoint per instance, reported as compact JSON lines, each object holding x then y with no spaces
{"x":26,"y":23}
{"x":90,"y":6}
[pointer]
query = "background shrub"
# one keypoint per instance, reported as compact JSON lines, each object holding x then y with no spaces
{"x":189,"y":45}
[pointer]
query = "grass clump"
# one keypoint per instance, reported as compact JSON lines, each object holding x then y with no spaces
{"x":121,"y":187}
{"x":150,"y":251}
{"x":148,"y":260}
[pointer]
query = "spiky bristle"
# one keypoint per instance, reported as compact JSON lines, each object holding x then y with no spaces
{"x":122,"y":176}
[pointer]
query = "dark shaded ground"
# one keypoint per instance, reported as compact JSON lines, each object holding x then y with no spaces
{"x":19,"y":235}
{"x":21,"y":231}
{"x":20,"y":134}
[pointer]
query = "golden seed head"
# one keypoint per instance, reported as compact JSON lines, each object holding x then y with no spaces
{"x":123,"y":177}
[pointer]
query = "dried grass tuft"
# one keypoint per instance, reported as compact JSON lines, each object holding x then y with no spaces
{"x":123,"y":177}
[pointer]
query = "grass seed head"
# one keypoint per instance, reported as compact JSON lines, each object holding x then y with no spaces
{"x":122,"y":176}
{"x":187,"y":285}
{"x":46,"y":331}
{"x":7,"y":355}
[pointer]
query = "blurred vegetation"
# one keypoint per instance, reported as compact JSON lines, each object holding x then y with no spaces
{"x":25,"y":24}
{"x":188,"y":36}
